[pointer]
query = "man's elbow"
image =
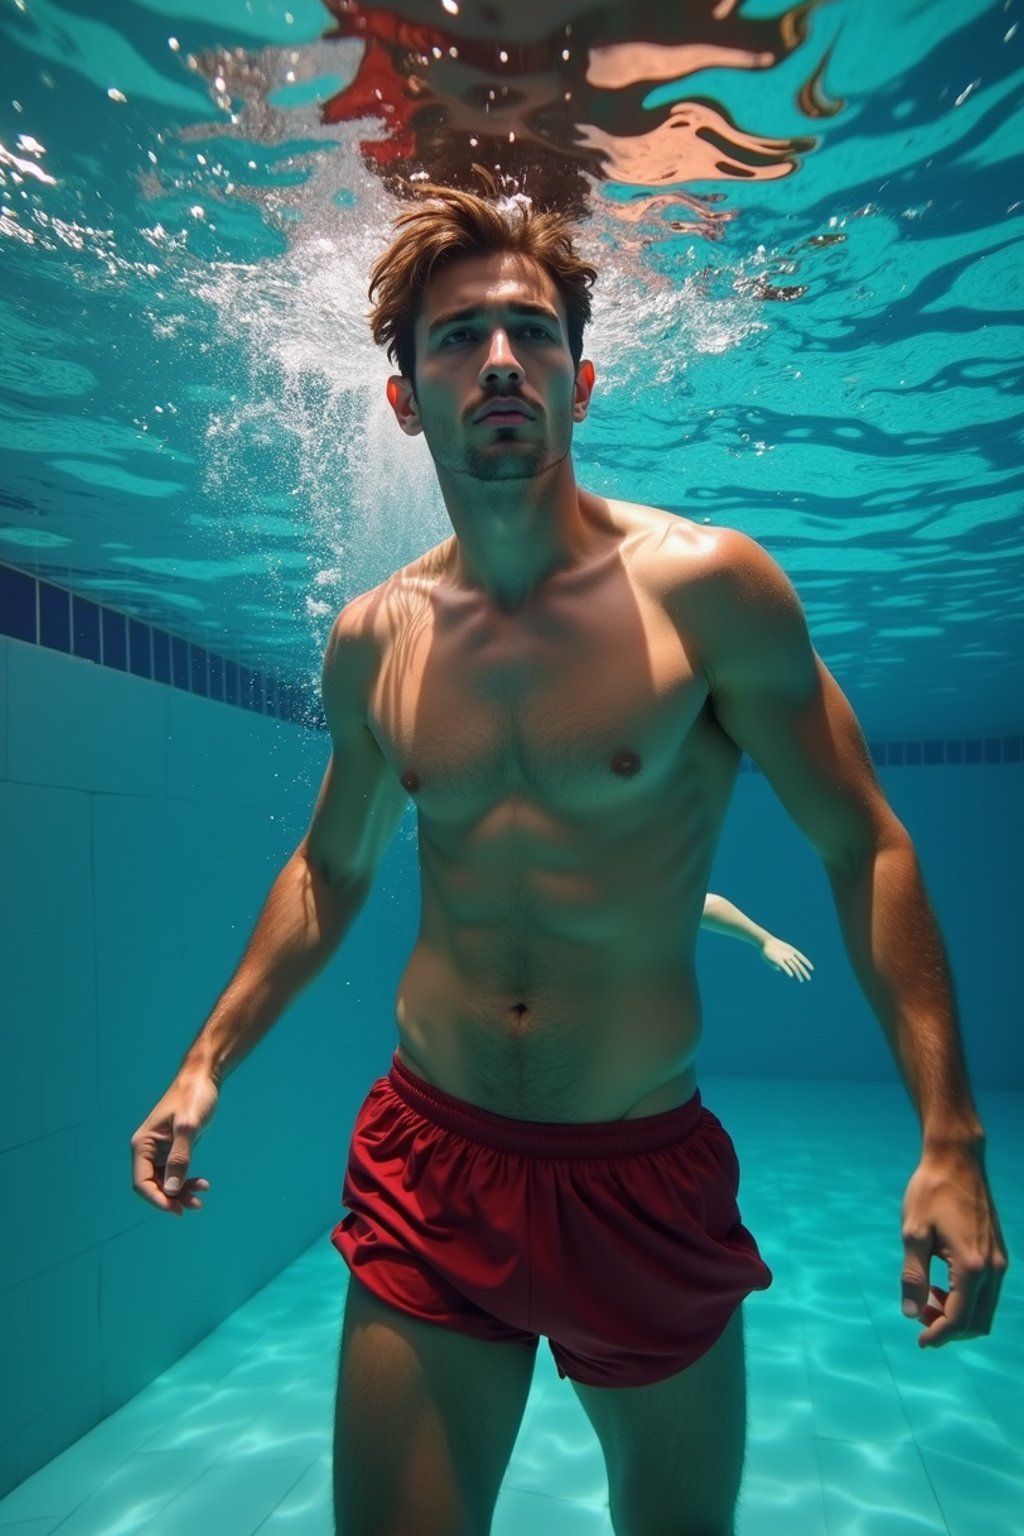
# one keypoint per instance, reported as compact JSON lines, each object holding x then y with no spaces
{"x":855,"y":846}
{"x":329,"y":877}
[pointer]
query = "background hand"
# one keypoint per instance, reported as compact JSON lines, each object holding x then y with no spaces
{"x":162,"y":1145}
{"x":783,"y":957}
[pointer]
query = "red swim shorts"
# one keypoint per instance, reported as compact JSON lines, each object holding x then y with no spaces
{"x":620,"y":1241}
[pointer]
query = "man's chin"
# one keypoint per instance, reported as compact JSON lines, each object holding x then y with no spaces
{"x":506,"y":466}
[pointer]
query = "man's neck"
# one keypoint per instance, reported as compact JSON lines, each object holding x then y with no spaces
{"x":511,"y":535}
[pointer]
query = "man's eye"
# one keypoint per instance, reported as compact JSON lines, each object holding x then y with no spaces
{"x":537,"y":332}
{"x":456,"y":336}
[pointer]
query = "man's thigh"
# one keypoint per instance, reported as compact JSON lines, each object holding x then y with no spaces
{"x":425,"y":1422}
{"x":674,"y":1450}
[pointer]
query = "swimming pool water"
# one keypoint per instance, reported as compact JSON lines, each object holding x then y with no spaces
{"x":808,"y":326}
{"x":813,"y":333}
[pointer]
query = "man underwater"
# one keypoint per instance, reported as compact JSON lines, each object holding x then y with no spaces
{"x":565,"y":688}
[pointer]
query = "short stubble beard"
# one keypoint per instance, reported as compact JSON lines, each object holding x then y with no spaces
{"x":526,"y":462}
{"x":524,"y":465}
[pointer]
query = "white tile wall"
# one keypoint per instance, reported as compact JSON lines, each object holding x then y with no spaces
{"x":138,"y":887}
{"x":51,"y":1338}
{"x":44,"y":1200}
{"x":16,"y":1351}
{"x":123,"y":911}
{"x":21,"y":1058}
{"x":69,"y":1417}
{"x":157,"y":1299}
{"x":5,"y":646}
{"x":47,"y":974}
{"x":77,"y":724}
{"x":226,"y":857}
{"x":222,"y":754}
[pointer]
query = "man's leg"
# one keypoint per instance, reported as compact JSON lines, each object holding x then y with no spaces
{"x":425,"y":1422}
{"x":674,"y":1450}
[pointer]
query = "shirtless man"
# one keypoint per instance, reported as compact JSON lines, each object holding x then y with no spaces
{"x":565,"y":687}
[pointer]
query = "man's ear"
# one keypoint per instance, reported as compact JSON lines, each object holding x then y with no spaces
{"x":402,"y":401}
{"x":582,"y":390}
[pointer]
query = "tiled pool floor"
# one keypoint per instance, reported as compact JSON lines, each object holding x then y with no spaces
{"x":853,"y":1430}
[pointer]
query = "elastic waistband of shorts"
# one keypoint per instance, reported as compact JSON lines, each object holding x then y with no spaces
{"x":543,"y":1138}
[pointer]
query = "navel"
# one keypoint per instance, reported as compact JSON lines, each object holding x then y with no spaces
{"x":518,"y":1018}
{"x":410,"y":781}
{"x":625,"y":764}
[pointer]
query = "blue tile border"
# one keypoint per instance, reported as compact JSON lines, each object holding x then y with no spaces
{"x":140,"y":649}
{"x":86,"y":624}
{"x":54,"y":617}
{"x":42,"y":613}
{"x":929,"y":754}
{"x":18,"y":605}
{"x":115,"y":639}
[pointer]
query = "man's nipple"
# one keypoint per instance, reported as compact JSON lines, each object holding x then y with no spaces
{"x":410,"y":781}
{"x":625,"y":764}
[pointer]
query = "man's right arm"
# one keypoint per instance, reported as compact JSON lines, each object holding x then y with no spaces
{"x":319,"y":892}
{"x":310,"y":907}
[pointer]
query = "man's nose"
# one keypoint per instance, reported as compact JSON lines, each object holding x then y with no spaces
{"x":501,"y":367}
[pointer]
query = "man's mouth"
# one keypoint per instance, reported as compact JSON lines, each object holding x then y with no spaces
{"x":504,"y":413}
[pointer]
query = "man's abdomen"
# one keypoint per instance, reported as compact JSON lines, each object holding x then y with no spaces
{"x":568,"y":1037}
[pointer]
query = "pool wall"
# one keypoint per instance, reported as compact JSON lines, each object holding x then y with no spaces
{"x":141,"y":828}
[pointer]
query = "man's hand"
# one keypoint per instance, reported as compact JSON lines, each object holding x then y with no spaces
{"x":948,"y":1211}
{"x":162,"y":1145}
{"x":783,"y":957}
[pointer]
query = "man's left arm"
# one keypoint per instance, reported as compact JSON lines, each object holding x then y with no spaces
{"x":778,"y":702}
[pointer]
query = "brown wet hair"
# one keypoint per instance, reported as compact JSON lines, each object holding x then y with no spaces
{"x":445,"y":224}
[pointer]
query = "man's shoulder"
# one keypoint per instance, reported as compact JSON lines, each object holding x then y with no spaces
{"x":723,"y":591}
{"x":364,"y":631}
{"x":370,"y":617}
{"x":681,"y":552}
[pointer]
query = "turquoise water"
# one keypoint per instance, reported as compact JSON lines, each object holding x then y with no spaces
{"x":814,"y":334}
{"x":808,"y":326}
{"x":852,"y":1431}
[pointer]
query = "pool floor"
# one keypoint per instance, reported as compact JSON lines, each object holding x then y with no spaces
{"x":853,"y":1430}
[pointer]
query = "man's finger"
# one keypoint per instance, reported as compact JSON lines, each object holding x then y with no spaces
{"x":190,"y":1191}
{"x":144,"y":1174}
{"x":969,"y":1286}
{"x":959,"y":1308}
{"x":176,"y":1171}
{"x":917,"y":1256}
{"x":985,"y":1310}
{"x":985,"y":1305}
{"x":950,"y":1323}
{"x":935,"y":1305}
{"x":142,"y":1168}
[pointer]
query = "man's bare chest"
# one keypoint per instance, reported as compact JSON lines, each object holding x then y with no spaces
{"x":575,"y":708}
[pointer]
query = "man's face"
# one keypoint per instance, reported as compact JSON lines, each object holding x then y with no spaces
{"x":496,"y":390}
